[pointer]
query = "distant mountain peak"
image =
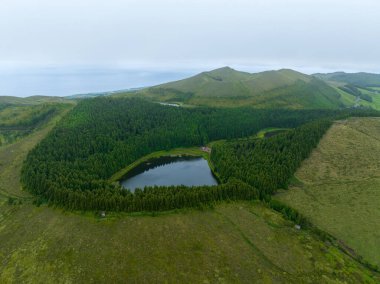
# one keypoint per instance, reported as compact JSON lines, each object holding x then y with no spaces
{"x":226,"y":73}
{"x":225,"y":69}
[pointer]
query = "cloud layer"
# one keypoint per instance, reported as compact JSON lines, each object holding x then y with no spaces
{"x":181,"y":34}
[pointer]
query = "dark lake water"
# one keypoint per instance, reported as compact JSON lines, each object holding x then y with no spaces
{"x":189,"y":171}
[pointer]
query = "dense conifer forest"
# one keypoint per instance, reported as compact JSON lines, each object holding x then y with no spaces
{"x":71,"y":167}
{"x":268,"y":164}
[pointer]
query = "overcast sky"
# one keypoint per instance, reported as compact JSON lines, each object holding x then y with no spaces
{"x":306,"y":35}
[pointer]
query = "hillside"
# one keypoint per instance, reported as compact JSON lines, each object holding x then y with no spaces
{"x":338,"y":187}
{"x":32,"y":100}
{"x":227,"y":87}
{"x":361,"y":79}
{"x":356,"y":89}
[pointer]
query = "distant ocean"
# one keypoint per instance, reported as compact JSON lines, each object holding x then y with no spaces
{"x":65,"y":82}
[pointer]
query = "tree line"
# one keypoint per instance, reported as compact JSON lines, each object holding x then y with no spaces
{"x":268,"y":164}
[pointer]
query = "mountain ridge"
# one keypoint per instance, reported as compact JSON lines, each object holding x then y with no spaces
{"x":284,"y":88}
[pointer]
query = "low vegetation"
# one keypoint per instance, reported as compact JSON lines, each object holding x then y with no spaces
{"x":338,"y":187}
{"x":17,"y":121}
{"x":226,"y":87}
{"x":359,"y":79}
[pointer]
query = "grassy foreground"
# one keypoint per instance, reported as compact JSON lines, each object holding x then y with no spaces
{"x":339,"y":186}
{"x":241,"y":242}
{"x":238,"y":242}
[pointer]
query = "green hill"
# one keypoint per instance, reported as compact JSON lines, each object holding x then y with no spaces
{"x":359,"y":79}
{"x":356,"y":89}
{"x":32,"y":100}
{"x":227,"y":87}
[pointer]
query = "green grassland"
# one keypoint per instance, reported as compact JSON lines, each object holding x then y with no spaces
{"x":375,"y":99}
{"x":17,"y":121}
{"x":347,"y":99}
{"x":364,"y":83}
{"x":12,"y":155}
{"x":241,"y":242}
{"x":261,"y":133}
{"x":15,"y":115}
{"x":338,"y":187}
{"x":237,"y":242}
{"x":226,"y":87}
{"x":357,"y":79}
{"x":32,"y":100}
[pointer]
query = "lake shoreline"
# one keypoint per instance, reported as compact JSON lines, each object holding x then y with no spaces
{"x":170,"y":171}
{"x":177,"y":152}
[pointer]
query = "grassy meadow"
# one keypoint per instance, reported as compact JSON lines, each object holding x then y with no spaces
{"x":375,"y":99}
{"x":17,"y":121}
{"x":338,"y":187}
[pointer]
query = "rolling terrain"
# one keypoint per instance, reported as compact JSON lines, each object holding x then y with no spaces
{"x":233,"y":242}
{"x":359,"y":79}
{"x":64,"y":218}
{"x":33,"y":100}
{"x":227,"y":87}
{"x":285,"y":88}
{"x":17,"y":121}
{"x":356,"y":89}
{"x":338,"y":187}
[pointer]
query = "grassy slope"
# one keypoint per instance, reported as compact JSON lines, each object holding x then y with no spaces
{"x":359,"y":79}
{"x":347,"y":99}
{"x":33,"y":100}
{"x":340,"y":186}
{"x":238,"y":242}
{"x":227,"y":87}
{"x":367,"y":80}
{"x":12,"y":156}
{"x":14,"y":115}
{"x":17,"y":121}
{"x":350,"y":100}
{"x":375,"y":99}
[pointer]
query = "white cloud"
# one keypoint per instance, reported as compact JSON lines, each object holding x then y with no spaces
{"x":181,"y":34}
